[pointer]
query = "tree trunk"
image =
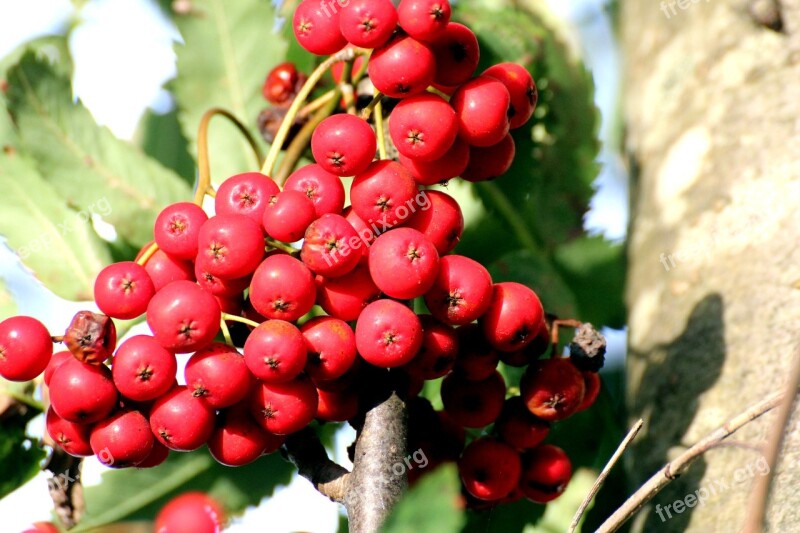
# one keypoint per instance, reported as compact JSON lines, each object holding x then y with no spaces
{"x":712,"y":109}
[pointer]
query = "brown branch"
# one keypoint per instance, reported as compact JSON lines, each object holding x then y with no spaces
{"x":65,"y":486}
{"x":308,"y":454}
{"x":676,"y":467}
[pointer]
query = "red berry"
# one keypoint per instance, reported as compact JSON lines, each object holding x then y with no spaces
{"x":157,"y":456}
{"x":183,"y":317}
{"x":218,"y":374}
{"x":591,"y":381}
{"x":71,"y":437}
{"x":25,"y":348}
{"x":122,"y":440}
{"x":316,"y":27}
{"x":423,"y":19}
{"x":164,"y":269}
{"x":279,"y":87}
{"x":402,"y":67}
{"x":180,"y":421}
{"x":366,"y":233}
{"x":123,"y":290}
{"x":451,"y":164}
{"x":546,"y":471}
{"x":519,"y":427}
{"x":346,"y":296}
{"x":476,"y":359}
{"x":423,"y":127}
{"x":385,"y":195}
{"x":552,"y":389}
{"x":191,"y":512}
{"x":490,"y":162}
{"x":284,"y":408}
{"x":225,"y":288}
{"x":473,"y":404}
{"x":490,"y":469}
{"x":81,"y":392}
{"x":177,"y":228}
{"x":237,"y":440}
{"x":245,"y":194}
{"x":442,"y":222}
{"x":513,"y":318}
{"x":41,"y":527}
{"x":457,"y":54}
{"x":331,"y":346}
{"x":324,"y":189}
{"x":55,"y":362}
{"x":481,"y":106}
{"x":521,"y":88}
{"x":337,"y":406}
{"x":462,"y":291}
{"x":330,"y":247}
{"x":343,"y":144}
{"x":388,"y":334}
{"x":403,"y":263}
{"x":288,"y":215}
{"x":230,"y":246}
{"x":142,"y":369}
{"x":282,"y":287}
{"x":367,"y":23}
{"x":275,"y":351}
{"x":438,"y":352}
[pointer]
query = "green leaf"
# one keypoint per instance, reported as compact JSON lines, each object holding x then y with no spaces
{"x":432,"y":505}
{"x":84,"y":162}
{"x":52,"y":48}
{"x":138,"y":494}
{"x":8,"y":307}
{"x":57,"y":243}
{"x":229,"y":48}
{"x":19,"y":456}
{"x":160,"y":137}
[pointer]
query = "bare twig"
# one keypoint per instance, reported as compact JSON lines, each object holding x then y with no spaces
{"x":676,"y":467}
{"x":308,"y":454}
{"x":604,"y":474}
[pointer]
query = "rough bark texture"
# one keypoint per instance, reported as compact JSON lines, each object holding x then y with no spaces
{"x":712,"y":108}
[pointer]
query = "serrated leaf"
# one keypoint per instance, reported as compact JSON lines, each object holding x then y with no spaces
{"x":57,"y":243}
{"x":8,"y":307}
{"x":84,"y":162}
{"x":133,"y":494}
{"x":229,"y":48}
{"x":434,"y":504}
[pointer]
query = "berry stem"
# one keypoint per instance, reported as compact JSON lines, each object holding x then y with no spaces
{"x":150,"y":252}
{"x":226,"y":333}
{"x":565,"y":322}
{"x":347,"y":88}
{"x":376,"y":100}
{"x":236,"y":318}
{"x":57,"y":338}
{"x":317,"y":103}
{"x":379,"y":126}
{"x":278,"y":245}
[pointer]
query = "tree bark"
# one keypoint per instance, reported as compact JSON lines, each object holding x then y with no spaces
{"x":712,"y":113}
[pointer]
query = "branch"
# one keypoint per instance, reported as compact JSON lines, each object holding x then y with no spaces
{"x":676,"y":467}
{"x":65,"y":487}
{"x":308,"y":454}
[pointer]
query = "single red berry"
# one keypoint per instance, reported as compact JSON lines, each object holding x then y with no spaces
{"x":552,"y":389}
{"x":481,"y":106}
{"x":473,"y":404}
{"x":237,"y":440}
{"x":325,"y":190}
{"x":489,"y":468}
{"x":123,"y":290}
{"x":218,"y":374}
{"x":316,"y":27}
{"x":403,"y":263}
{"x":366,"y":233}
{"x":337,"y":406}
{"x":519,"y":427}
{"x":437,"y":355}
{"x":122,"y":440}
{"x":71,"y":437}
{"x":81,"y":392}
{"x":490,"y":162}
{"x":367,"y":23}
{"x":282,"y":287}
{"x":25,"y":348}
{"x":163,"y":268}
{"x":385,"y":195}
{"x":36,"y":527}
{"x":183,"y":317}
{"x":462,"y":291}
{"x":288,"y":215}
{"x":142,"y":369}
{"x":225,"y":288}
{"x":513,"y":318}
{"x":55,"y":362}
{"x":331,"y":246}
{"x":442,"y":222}
{"x":284,"y":408}
{"x":245,"y":194}
{"x":343,"y":144}
{"x":423,"y":19}
{"x":457,"y":54}
{"x":531,"y":352}
{"x":388,"y":334}
{"x":275,"y":351}
{"x":194,"y":512}
{"x":331,"y":346}
{"x":521,"y":88}
{"x":230,"y":246}
{"x":476,"y":359}
{"x":591,"y":381}
{"x":279,"y":87}
{"x":451,"y":164}
{"x":546,"y":471}
{"x":402,"y":67}
{"x":423,"y":127}
{"x":177,"y":228}
{"x":346,"y":296}
{"x":181,"y":421}
{"x":157,"y":456}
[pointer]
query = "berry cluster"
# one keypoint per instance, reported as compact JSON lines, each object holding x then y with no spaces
{"x":324,"y":294}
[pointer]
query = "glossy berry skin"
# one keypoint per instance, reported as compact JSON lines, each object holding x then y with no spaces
{"x":157,"y":455}
{"x":388,"y":334}
{"x":438,"y":352}
{"x":384,"y":195}
{"x":142,"y":369}
{"x":331,"y":346}
{"x":531,"y":352}
{"x":402,"y":67}
{"x":82,"y":393}
{"x":282,"y":287}
{"x":519,"y":427}
{"x":476,"y":359}
{"x":591,"y":381}
{"x":325,"y":190}
{"x":457,"y":54}
{"x":275,"y":351}
{"x":181,"y":421}
{"x":403,"y":263}
{"x":423,"y":19}
{"x":513,"y":318}
{"x":442,"y":222}
{"x":288,"y":215}
{"x":521,"y":88}
{"x":346,"y":296}
{"x":71,"y":437}
{"x":546,"y":471}
{"x":343,"y":144}
{"x":450,"y":165}
{"x":218,"y":374}
{"x":367,"y":23}
{"x":316,"y":27}
{"x":237,"y":440}
{"x":25,"y":348}
{"x":284,"y":408}
{"x":230,"y":246}
{"x":331,"y":246}
{"x":123,"y":290}
{"x":55,"y":362}
{"x":164,"y":269}
{"x":481,"y":106}
{"x":473,"y":404}
{"x":423,"y":127}
{"x":177,"y":228}
{"x":245,"y":194}
{"x":191,"y":512}
{"x":462,"y":291}
{"x":183,"y":317}
{"x":489,"y":469}
{"x":490,"y":162}
{"x":552,"y":389}
{"x":224,"y":288}
{"x":122,"y":440}
{"x":279,"y":87}
{"x":365,"y":232}
{"x":337,"y":406}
